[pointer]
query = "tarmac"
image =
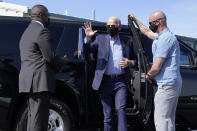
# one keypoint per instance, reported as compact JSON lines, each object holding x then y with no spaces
{"x":90,"y":130}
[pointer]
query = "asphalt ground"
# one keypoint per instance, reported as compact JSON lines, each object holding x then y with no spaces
{"x":91,"y":130}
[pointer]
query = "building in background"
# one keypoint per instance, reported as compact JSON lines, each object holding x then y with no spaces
{"x":7,"y":9}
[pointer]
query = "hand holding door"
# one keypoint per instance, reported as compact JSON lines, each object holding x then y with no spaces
{"x":149,"y":78}
{"x":130,"y":16}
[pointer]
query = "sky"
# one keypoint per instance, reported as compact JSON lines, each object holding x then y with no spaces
{"x":181,"y":14}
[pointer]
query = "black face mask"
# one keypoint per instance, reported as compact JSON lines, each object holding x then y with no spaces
{"x":112,"y":31}
{"x":153,"y":27}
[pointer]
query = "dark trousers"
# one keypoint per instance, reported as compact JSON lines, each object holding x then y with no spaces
{"x":38,"y":111}
{"x":114,"y":89}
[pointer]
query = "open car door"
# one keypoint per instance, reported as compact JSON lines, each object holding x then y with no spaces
{"x":142,"y":90}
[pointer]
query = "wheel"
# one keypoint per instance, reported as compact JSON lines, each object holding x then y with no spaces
{"x":60,"y":117}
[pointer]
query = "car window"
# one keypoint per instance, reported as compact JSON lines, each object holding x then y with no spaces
{"x":56,"y":34}
{"x":195,"y":46}
{"x":184,"y":58}
{"x":147,"y":44}
{"x":69,"y":42}
{"x":10,"y":35}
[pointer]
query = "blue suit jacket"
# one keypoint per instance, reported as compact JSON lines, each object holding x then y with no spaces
{"x":100,"y":49}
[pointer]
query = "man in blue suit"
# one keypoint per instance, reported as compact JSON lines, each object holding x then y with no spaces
{"x":113,"y":57}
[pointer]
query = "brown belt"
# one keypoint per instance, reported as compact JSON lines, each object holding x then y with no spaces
{"x":114,"y":75}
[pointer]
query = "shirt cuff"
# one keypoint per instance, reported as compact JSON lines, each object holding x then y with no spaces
{"x":87,"y":40}
{"x":133,"y":62}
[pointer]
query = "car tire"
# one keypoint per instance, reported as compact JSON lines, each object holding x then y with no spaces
{"x":60,"y":117}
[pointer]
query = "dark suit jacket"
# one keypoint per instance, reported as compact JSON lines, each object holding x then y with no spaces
{"x":38,"y":60}
{"x":100,"y":48}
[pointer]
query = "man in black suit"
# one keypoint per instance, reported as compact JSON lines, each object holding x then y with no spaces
{"x":38,"y":67}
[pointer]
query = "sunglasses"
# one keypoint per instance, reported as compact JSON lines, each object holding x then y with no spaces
{"x":111,"y":26}
{"x":150,"y":23}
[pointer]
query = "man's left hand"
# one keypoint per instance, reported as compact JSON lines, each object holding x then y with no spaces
{"x":130,"y":16}
{"x":149,"y":78}
{"x":125,"y":62}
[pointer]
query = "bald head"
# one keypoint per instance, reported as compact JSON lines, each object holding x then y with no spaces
{"x":114,"y":21}
{"x":38,"y":11}
{"x":158,"y":15}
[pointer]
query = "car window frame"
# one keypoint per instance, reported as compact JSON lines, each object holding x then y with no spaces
{"x":187,"y":50}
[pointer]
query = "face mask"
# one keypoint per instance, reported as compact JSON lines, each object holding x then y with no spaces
{"x":153,"y":27}
{"x":112,"y":31}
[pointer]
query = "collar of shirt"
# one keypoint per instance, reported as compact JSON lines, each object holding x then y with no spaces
{"x":158,"y":35}
{"x":164,"y":31}
{"x":38,"y":23}
{"x":114,"y":39}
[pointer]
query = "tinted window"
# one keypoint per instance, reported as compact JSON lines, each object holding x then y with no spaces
{"x":184,"y":58}
{"x":10,"y":35}
{"x":69,"y":43}
{"x":56,"y":33}
{"x":147,"y":44}
{"x":195,"y":46}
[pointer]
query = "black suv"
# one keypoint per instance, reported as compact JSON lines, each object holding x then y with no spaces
{"x":74,"y":105}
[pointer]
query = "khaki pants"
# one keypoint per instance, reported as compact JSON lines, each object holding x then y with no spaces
{"x":165,"y":101}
